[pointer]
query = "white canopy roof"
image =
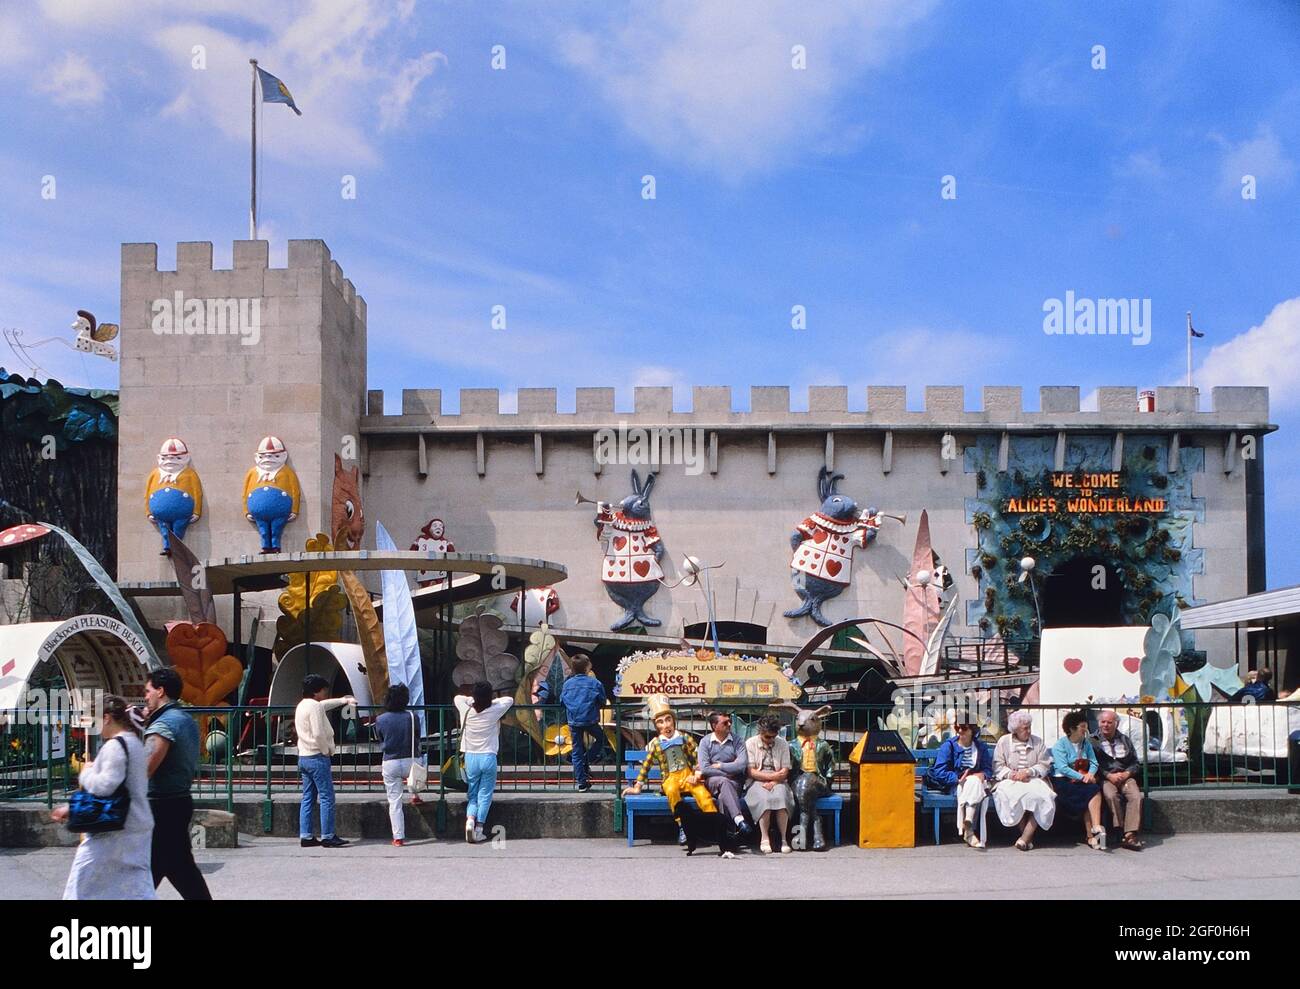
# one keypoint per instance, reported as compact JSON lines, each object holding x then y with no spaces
{"x":93,"y":652}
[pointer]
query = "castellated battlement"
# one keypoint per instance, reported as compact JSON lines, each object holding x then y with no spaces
{"x":310,"y":266}
{"x":1002,"y":406}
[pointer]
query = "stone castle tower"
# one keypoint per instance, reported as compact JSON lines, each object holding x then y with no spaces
{"x":222,"y":358}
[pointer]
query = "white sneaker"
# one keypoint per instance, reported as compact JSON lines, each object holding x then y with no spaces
{"x":469,"y":829}
{"x":479,"y":836}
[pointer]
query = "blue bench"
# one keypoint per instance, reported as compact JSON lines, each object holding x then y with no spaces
{"x":656,"y":804}
{"x":931,"y":800}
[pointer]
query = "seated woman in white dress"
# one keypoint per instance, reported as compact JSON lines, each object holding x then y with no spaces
{"x":1021,"y":765}
{"x":963,"y":766}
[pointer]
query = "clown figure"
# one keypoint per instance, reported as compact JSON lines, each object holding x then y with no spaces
{"x":271,"y":493}
{"x":173,"y":495}
{"x":674,"y":754}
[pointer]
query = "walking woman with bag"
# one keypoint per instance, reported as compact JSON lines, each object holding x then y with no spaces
{"x":111,"y":812}
{"x":399,"y":731}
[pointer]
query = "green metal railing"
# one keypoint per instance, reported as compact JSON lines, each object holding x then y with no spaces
{"x":251,"y":751}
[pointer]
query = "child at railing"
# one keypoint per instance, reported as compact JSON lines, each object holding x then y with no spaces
{"x":582,"y":696}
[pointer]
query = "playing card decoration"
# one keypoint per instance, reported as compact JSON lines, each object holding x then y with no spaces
{"x":1079,"y":665}
{"x":823,"y":544}
{"x":432,"y":539}
{"x":481,"y":648}
{"x":630,"y":569}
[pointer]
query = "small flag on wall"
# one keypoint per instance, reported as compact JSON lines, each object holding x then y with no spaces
{"x":274,"y":91}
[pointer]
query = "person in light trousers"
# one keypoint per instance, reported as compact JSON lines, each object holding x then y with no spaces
{"x":399,"y":732}
{"x":480,"y":736}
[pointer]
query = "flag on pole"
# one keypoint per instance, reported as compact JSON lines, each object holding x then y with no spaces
{"x":1191,"y":329}
{"x":274,"y":91}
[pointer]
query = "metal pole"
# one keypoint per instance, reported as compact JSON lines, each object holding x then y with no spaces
{"x":713,"y":624}
{"x":252,"y":202}
{"x":1189,"y":348}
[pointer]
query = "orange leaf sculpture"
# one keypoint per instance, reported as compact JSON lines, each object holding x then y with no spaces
{"x":199,"y":654}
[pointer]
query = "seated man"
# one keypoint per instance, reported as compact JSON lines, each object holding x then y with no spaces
{"x":675,"y":755}
{"x":1258,"y":689}
{"x":724,"y":765}
{"x":1118,"y":769}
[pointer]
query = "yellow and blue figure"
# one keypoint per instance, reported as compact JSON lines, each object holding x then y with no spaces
{"x":271,"y":493}
{"x":173,"y":495}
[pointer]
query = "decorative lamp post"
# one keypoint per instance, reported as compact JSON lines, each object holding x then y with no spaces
{"x":1027,"y":565}
{"x":694,"y":567}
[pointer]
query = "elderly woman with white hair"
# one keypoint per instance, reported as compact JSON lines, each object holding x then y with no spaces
{"x":1021,"y":765}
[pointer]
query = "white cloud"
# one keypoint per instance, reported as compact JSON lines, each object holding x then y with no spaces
{"x":393,"y":105}
{"x":14,"y":44}
{"x":713,"y":83}
{"x":1267,"y":354}
{"x":73,"y":81}
{"x":332,"y":54}
{"x":1262,"y":156}
{"x":1143,"y":165}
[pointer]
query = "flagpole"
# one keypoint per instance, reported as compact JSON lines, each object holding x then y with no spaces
{"x":252,"y":202}
{"x":1189,"y":348}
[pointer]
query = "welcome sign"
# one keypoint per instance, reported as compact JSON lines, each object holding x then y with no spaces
{"x":686,"y":676}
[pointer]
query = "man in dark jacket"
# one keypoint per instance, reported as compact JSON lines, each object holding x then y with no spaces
{"x":1117,"y":771}
{"x":582,"y":696}
{"x":1258,"y":688}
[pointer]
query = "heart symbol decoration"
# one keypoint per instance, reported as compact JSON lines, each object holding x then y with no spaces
{"x":833,"y":567}
{"x":1073,"y":665}
{"x":819,"y":536}
{"x":1131,"y":663}
{"x":620,"y":542}
{"x":642,"y":567}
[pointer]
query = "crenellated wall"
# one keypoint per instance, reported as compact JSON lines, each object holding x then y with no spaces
{"x":505,"y":482}
{"x":1002,"y":405}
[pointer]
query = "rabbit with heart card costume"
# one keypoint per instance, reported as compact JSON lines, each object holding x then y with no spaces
{"x":630,"y":569}
{"x":823,"y":544}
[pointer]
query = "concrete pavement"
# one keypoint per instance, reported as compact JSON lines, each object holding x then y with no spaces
{"x":1186,"y":867}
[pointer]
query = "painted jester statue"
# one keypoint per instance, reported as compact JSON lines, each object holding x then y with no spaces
{"x":823,"y":544}
{"x":173,"y":495}
{"x":271,"y":493}
{"x":674,"y":753}
{"x":813,"y":765}
{"x":630,"y":569}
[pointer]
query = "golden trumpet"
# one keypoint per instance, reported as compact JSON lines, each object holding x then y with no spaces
{"x":581,"y":499}
{"x":901,"y":519}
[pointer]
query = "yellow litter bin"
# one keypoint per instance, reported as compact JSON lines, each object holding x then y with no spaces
{"x":885,"y":786}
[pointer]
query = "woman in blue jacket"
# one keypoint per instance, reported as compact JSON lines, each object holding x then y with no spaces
{"x":964,"y":766}
{"x":1074,"y":774}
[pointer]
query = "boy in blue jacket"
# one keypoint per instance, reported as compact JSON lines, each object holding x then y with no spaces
{"x":582,"y":696}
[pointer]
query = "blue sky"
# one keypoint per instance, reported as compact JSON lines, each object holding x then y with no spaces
{"x":774,"y":186}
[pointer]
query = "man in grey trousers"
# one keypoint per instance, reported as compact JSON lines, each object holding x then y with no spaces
{"x":724,"y":765}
